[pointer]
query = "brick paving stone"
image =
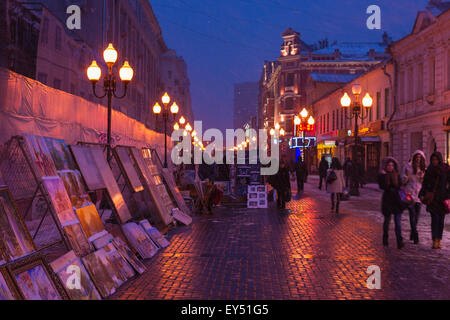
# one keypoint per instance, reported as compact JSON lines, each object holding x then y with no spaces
{"x":308,"y":254}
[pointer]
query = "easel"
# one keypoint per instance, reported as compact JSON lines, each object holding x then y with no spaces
{"x":22,"y":180}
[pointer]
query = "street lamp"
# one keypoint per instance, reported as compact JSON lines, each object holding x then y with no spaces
{"x":94,"y":74}
{"x":157,"y":110}
{"x":356,"y":112}
{"x":305,"y":123}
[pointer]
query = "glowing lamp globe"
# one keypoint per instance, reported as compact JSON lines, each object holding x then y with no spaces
{"x":367,"y":101}
{"x":304,"y":113}
{"x":94,"y":72}
{"x":297,"y":121}
{"x":356,"y":89}
{"x":188,"y":127}
{"x":174,"y":108}
{"x":165,"y":99}
{"x":157,"y":108}
{"x":182,"y":120}
{"x":277,"y":126}
{"x":345,"y":101}
{"x":110,"y":55}
{"x":272,"y":132}
{"x":176,"y":127}
{"x":311,"y":121}
{"x":126,"y":72}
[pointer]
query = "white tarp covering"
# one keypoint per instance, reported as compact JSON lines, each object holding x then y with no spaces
{"x":28,"y":106}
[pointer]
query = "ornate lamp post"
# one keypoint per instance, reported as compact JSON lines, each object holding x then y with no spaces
{"x":157,"y":110}
{"x":356,"y":112}
{"x":305,"y":123}
{"x":94,"y":74}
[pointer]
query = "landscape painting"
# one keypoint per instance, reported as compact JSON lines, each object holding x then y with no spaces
{"x":78,"y":240}
{"x":139,"y":240}
{"x":75,"y":188}
{"x":60,"y":200}
{"x":40,"y":156}
{"x":60,"y":153}
{"x":90,"y":221}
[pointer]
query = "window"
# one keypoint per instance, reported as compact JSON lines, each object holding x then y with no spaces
{"x":57,"y":84}
{"x":410,"y":82}
{"x":44,"y":33}
{"x":290,"y":80}
{"x":386,"y":102}
{"x":42,"y":77}
{"x":432,"y":74}
{"x":400,"y":88}
{"x":334,"y":120}
{"x":58,"y":44}
{"x":328,"y":122}
{"x":420,"y":81}
{"x":289,"y":104}
{"x":378,"y":105}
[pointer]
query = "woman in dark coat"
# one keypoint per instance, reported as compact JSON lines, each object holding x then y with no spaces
{"x":390,"y":182}
{"x":281,"y":182}
{"x":435,"y":182}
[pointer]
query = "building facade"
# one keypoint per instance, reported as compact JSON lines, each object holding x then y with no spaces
{"x":422,"y":61}
{"x":245,"y":104}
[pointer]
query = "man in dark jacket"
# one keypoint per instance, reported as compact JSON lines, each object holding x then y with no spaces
{"x":348,"y":167}
{"x":282,"y":184}
{"x":323,"y":169}
{"x":302,"y":173}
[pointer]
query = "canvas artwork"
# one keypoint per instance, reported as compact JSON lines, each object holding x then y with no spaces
{"x":7,"y":289}
{"x":103,"y":241}
{"x":90,"y":171}
{"x":75,"y":277}
{"x":139,"y":240}
{"x":60,"y":153}
{"x":15,"y":239}
{"x":154,"y":234}
{"x":125,"y":270}
{"x":126,"y":252}
{"x":60,"y":200}
{"x":35,"y":282}
{"x":252,"y":204}
{"x":252,"y":195}
{"x":128,"y":167}
{"x":111,"y":185}
{"x":91,"y":222}
{"x":40,"y":155}
{"x":75,"y":188}
{"x":102,"y":272}
{"x":168,"y":176}
{"x":181,"y":217}
{"x":78,"y":240}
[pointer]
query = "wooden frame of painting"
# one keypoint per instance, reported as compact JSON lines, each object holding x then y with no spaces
{"x":163,"y":213}
{"x":22,"y":272}
{"x":21,"y":233}
{"x":127,"y":168}
{"x":8,"y":289}
{"x":90,"y":171}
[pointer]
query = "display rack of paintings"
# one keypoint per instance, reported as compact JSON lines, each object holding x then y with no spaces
{"x":164,"y":213}
{"x":8,"y":290}
{"x":128,"y":170}
{"x":74,"y":276}
{"x":35,"y":280}
{"x":139,"y":240}
{"x":257,"y":196}
{"x":168,"y":179}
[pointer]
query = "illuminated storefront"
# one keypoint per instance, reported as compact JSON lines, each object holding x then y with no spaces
{"x":326,"y":148}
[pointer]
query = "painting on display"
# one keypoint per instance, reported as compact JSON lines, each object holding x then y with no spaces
{"x":75,"y":188}
{"x":78,"y":240}
{"x":40,"y":156}
{"x":128,"y":167}
{"x":168,"y":176}
{"x":60,"y":153}
{"x":35,"y":280}
{"x":126,"y":252}
{"x":91,"y":222}
{"x":75,"y":278}
{"x":90,"y":171}
{"x":60,"y":200}
{"x":14,"y":236}
{"x":154,"y":234}
{"x":102,"y":272}
{"x":125,"y":270}
{"x":111,"y":185}
{"x":8,"y":290}
{"x":139,"y":240}
{"x":181,"y":217}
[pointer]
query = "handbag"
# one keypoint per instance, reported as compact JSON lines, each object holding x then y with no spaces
{"x":405,"y":197}
{"x":331,"y":177}
{"x":428,"y":198}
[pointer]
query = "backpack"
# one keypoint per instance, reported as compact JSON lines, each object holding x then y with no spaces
{"x":331,"y":177}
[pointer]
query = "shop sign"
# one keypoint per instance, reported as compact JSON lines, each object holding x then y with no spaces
{"x":298,"y":142}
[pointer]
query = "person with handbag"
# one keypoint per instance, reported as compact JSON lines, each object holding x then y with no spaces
{"x":323,"y":168}
{"x":412,"y":177}
{"x":433,"y":194}
{"x":390,"y":182}
{"x":282,"y":184}
{"x":335,"y":183}
{"x":301,"y":173}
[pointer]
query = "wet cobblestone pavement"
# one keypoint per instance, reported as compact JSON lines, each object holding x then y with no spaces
{"x":308,"y":254}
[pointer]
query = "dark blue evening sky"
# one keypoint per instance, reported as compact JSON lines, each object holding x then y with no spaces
{"x":225,"y":42}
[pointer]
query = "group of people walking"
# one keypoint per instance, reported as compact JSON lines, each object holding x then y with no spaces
{"x":415,"y":185}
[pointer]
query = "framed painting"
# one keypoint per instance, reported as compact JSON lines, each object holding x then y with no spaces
{"x":89,"y":170}
{"x":8,"y":290}
{"x":103,"y":241}
{"x":75,"y":278}
{"x":128,"y":169}
{"x":35,"y":279}
{"x":60,"y":153}
{"x":91,"y":222}
{"x":78,"y":240}
{"x":60,"y":200}
{"x":40,"y":156}
{"x":125,"y":270}
{"x":126,"y":252}
{"x":14,"y":236}
{"x":111,"y":185}
{"x":139,"y":240}
{"x":75,"y":188}
{"x":182,"y":217}
{"x":102,"y":272}
{"x":154,"y":234}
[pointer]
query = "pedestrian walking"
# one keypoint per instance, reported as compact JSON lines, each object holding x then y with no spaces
{"x":323,"y":169}
{"x":389,"y":181}
{"x":335,"y":183}
{"x":433,"y":194}
{"x":301,"y":173}
{"x":282,"y":184}
{"x":412,"y":177}
{"x":208,"y":173}
{"x":348,"y":164}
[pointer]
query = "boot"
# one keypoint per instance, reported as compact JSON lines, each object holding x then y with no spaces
{"x":435,"y":244}
{"x":400,"y":243}
{"x":337,"y":207}
{"x":416,"y":238}
{"x":439,"y":246}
